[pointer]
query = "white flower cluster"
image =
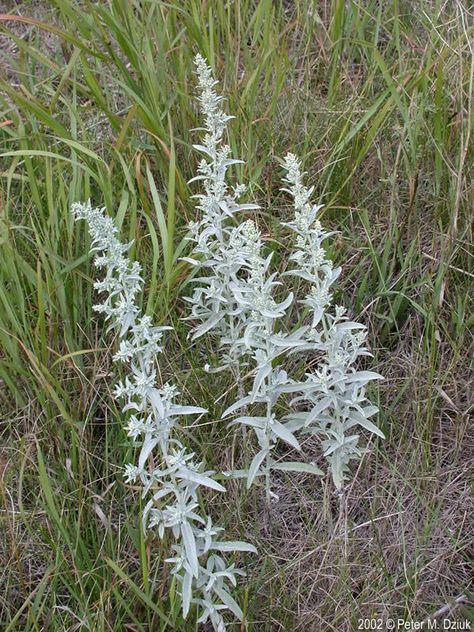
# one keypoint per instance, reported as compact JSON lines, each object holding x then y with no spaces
{"x":236,"y":301}
{"x":169,"y":475}
{"x":310,"y":256}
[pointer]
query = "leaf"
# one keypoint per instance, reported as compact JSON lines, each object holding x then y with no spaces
{"x":263,"y":372}
{"x":207,"y":325}
{"x":357,"y":418}
{"x":187,"y":410}
{"x":331,"y":446}
{"x":155,"y":400}
{"x":225,"y":547}
{"x":255,"y":466}
{"x":296,"y":466}
{"x":348,"y":324}
{"x":363,"y":376}
{"x":238,"y":474}
{"x":193,"y":262}
{"x":342,"y":443}
{"x":318,"y":409}
{"x":190,"y":547}
{"x":300,"y":387}
{"x":148,"y":445}
{"x":283,"y":433}
{"x":255,"y":422}
{"x":337,"y":470}
{"x":195,"y":179}
{"x":368,"y":411}
{"x":240,"y":404}
{"x":283,"y":306}
{"x":204,"y":150}
{"x":229,"y":602}
{"x":186,"y":593}
{"x":245,"y":207}
{"x":200,"y":479}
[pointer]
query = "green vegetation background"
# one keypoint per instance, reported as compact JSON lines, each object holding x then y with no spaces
{"x":96,"y":100}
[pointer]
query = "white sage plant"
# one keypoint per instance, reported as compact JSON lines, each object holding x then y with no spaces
{"x":234,"y":296}
{"x":170,"y":476}
{"x":335,"y":392}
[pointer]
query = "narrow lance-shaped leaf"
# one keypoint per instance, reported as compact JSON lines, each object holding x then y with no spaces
{"x":255,"y":466}
{"x":190,"y":547}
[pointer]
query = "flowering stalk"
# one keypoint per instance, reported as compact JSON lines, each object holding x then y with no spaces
{"x":335,"y":391}
{"x":234,"y":298}
{"x":220,"y":249}
{"x":168,"y":473}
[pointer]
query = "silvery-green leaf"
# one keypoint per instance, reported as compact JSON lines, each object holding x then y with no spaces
{"x":155,"y":398}
{"x":225,"y":207}
{"x":196,"y":178}
{"x":161,"y":494}
{"x":331,"y":446}
{"x":204,"y":150}
{"x":296,"y":466}
{"x":349,"y":325}
{"x":145,"y":513}
{"x":302,"y":274}
{"x":283,"y":433}
{"x":187,"y":410}
{"x":131,"y":406}
{"x":237,"y":405}
{"x":368,"y":411}
{"x":190,"y":547}
{"x":294,"y":387}
{"x":186,"y":589}
{"x":233,"y":161}
{"x":200,"y":479}
{"x":239,"y":474}
{"x":335,"y":274}
{"x":283,"y":306}
{"x":193,"y":262}
{"x":363,"y":376}
{"x":350,"y":442}
{"x":337,"y":471}
{"x":309,"y":346}
{"x":262,"y":373}
{"x":217,"y":369}
{"x":317,"y":315}
{"x":255,"y":422}
{"x":283,"y":341}
{"x":148,"y":445}
{"x":255,"y":466}
{"x":207,"y":326}
{"x":318,"y":409}
{"x":357,"y":418}
{"x":224,"y":547}
{"x":228,"y":601}
{"x":246,"y":207}
{"x":294,"y":423}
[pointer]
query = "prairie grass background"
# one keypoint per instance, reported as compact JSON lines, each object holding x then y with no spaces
{"x":96,"y":100}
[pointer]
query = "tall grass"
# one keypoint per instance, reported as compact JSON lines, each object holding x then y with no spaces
{"x":96,"y":101}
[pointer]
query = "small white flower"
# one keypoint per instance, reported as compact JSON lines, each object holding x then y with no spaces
{"x":132,"y":472}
